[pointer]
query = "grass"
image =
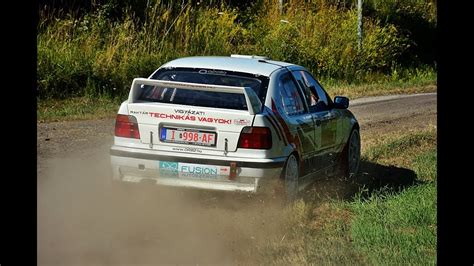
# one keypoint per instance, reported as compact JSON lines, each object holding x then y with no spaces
{"x":388,"y":226}
{"x":366,"y":90}
{"x":401,"y":81}
{"x":400,"y":228}
{"x":400,"y":151}
{"x":393,"y":228}
{"x":425,"y":165}
{"x":78,"y":108}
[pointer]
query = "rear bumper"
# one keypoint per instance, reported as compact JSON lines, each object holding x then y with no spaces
{"x":172,"y":169}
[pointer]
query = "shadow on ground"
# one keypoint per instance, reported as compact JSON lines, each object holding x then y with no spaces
{"x":372,"y":177}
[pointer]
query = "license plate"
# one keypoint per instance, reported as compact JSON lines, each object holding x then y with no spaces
{"x":188,"y":136}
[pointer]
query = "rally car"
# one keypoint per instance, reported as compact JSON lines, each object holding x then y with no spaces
{"x":236,"y":123}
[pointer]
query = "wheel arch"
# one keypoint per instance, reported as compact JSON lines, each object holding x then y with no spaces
{"x":355,"y":126}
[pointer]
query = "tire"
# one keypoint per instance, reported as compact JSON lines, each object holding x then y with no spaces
{"x":350,"y":161}
{"x":289,"y":178}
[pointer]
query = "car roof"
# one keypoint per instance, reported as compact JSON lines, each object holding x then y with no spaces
{"x":245,"y":64}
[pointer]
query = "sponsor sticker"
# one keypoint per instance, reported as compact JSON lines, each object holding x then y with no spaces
{"x":188,"y":117}
{"x":241,"y":122}
{"x":198,"y":171}
{"x":188,"y":170}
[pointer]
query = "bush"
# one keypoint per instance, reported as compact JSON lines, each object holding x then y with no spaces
{"x":93,"y":54}
{"x":325,"y":41}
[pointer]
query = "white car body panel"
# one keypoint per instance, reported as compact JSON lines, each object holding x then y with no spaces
{"x":135,"y":160}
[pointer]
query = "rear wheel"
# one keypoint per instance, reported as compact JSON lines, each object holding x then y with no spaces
{"x":290,"y":176}
{"x":351,"y":155}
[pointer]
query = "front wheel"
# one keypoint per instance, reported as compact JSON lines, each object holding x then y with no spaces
{"x":351,"y":155}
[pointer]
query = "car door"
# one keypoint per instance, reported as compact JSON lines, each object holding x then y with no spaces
{"x":325,"y":118}
{"x":299,"y":122}
{"x":318,"y":160}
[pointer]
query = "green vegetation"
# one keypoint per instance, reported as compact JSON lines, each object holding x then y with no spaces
{"x":97,"y":53}
{"x":425,"y":165}
{"x":387,"y":226}
{"x":77,"y":108}
{"x":403,"y":149}
{"x":399,"y":227}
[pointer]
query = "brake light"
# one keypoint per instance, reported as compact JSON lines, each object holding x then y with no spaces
{"x":126,"y":126}
{"x":255,"y":138}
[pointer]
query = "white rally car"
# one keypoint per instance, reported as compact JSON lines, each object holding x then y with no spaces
{"x":232,"y":123}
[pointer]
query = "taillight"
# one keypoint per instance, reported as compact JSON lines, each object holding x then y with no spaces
{"x":126,"y":126}
{"x":255,"y":138}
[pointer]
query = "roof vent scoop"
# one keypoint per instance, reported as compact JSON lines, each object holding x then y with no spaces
{"x":250,"y":56}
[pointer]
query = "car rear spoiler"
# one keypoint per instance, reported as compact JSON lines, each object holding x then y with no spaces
{"x":253,"y":102}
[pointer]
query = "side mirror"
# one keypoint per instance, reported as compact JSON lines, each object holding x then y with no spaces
{"x":341,"y":102}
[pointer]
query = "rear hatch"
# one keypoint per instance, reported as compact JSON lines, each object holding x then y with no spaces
{"x":183,"y":116}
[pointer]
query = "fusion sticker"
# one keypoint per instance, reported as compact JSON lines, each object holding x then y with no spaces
{"x":188,"y":170}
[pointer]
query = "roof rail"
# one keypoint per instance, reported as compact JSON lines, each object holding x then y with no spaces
{"x":250,"y":56}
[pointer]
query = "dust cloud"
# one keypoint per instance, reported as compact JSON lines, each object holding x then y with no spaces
{"x":83,"y":220}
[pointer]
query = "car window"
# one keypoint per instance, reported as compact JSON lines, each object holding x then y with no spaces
{"x":202,"y":98}
{"x":192,"y":97}
{"x":315,"y":96}
{"x":289,"y":95}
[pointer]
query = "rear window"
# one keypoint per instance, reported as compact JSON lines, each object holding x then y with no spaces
{"x":204,"y":98}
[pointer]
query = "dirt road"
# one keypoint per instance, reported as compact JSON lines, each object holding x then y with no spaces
{"x":81,"y":222}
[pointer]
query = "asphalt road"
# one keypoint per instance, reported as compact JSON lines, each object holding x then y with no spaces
{"x":82,"y":222}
